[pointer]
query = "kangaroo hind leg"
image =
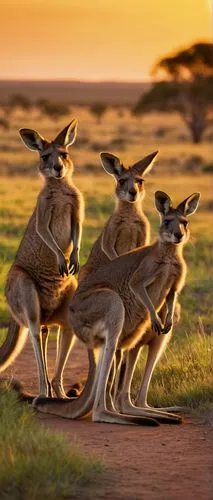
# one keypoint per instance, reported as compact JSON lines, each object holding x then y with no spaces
{"x":113,"y":324}
{"x":31,"y":314}
{"x":65,"y":343}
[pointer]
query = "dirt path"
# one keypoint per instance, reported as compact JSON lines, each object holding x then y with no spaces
{"x":165,"y":463}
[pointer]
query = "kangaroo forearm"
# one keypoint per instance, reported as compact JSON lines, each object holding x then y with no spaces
{"x":48,"y":239}
{"x":108,"y":247}
{"x":76,"y":232}
{"x":170,"y":302}
{"x":144,"y":299}
{"x":43,"y":219}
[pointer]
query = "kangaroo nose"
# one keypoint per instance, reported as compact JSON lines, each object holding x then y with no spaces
{"x":58,"y":168}
{"x":133,"y":192}
{"x":178,"y":236}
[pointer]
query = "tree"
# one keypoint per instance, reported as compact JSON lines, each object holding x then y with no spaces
{"x":187,"y":89}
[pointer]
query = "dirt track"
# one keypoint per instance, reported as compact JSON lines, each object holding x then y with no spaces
{"x":164,"y":463}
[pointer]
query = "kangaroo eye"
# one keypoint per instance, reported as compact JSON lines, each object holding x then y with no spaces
{"x":45,"y":157}
{"x":122,"y":182}
{"x":185,"y":223}
{"x":140,"y":181}
{"x":64,"y":155}
{"x":166,"y":223}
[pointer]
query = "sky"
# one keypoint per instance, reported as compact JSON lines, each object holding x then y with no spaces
{"x":96,"y":39}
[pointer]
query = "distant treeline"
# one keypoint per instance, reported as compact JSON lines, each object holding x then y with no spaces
{"x":74,"y":92}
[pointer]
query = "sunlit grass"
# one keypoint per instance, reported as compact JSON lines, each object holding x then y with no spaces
{"x":36,"y":463}
{"x":184,"y":376}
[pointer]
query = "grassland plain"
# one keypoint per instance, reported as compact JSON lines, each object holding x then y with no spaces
{"x":184,"y":373}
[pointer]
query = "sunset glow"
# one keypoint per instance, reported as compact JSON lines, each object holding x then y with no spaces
{"x":96,"y":40}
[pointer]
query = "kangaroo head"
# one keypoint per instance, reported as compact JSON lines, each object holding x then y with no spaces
{"x":174,"y":223}
{"x":55,"y":160}
{"x":129,"y":180}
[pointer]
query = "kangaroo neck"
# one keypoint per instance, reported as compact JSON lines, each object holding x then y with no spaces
{"x":126,"y":207}
{"x":169,"y":250}
{"x":56,"y":184}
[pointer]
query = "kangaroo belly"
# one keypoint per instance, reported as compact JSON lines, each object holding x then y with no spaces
{"x":60,"y":227}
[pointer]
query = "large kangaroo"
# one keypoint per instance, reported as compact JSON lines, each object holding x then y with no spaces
{"x":39,"y":284}
{"x":116,"y":305}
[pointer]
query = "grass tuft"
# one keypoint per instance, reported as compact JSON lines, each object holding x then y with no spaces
{"x":183,"y":377}
{"x":36,"y":463}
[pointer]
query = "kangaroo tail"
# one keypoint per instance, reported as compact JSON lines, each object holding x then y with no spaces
{"x":17,"y":387}
{"x":13,"y":344}
{"x":73,"y":408}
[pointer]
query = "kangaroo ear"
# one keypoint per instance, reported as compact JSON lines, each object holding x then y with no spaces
{"x":190,"y":204}
{"x":68,"y":135}
{"x":142,"y":167}
{"x":111,"y":164}
{"x":32,"y":139}
{"x":163,"y":202}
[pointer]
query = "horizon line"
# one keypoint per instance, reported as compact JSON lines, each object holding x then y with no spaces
{"x":74,"y":80}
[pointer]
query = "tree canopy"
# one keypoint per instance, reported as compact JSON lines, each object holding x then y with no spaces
{"x":188,"y":64}
{"x":187,"y":87}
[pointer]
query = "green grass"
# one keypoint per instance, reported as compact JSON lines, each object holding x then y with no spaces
{"x":36,"y":463}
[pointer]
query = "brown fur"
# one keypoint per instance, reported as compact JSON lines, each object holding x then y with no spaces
{"x":114,"y":306}
{"x":123,"y":276}
{"x":39,"y":286}
{"x":128,"y":227}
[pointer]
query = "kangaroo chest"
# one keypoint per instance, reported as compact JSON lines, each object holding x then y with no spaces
{"x":60,"y":225}
{"x":131,"y":234}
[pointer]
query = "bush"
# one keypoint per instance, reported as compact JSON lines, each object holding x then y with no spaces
{"x":194,"y":163}
{"x":54,"y":110}
{"x":4,"y":123}
{"x":98,"y":110}
{"x":19,"y":101}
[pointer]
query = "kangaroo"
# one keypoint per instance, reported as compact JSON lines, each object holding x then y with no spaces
{"x":40,"y":282}
{"x":128,"y":227}
{"x":116,"y":305}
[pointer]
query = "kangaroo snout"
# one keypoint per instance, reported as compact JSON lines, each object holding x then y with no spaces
{"x":178,"y":237}
{"x":133,"y":194}
{"x":58,"y":168}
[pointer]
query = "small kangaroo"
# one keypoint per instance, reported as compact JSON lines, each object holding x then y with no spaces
{"x":40,"y":282}
{"x":116,"y":305}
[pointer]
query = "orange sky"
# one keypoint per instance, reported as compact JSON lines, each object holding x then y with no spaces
{"x":95,"y":39}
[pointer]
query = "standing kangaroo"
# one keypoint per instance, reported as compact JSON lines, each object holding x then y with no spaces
{"x":39,"y":286}
{"x":116,"y":305}
{"x":128,"y":227}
